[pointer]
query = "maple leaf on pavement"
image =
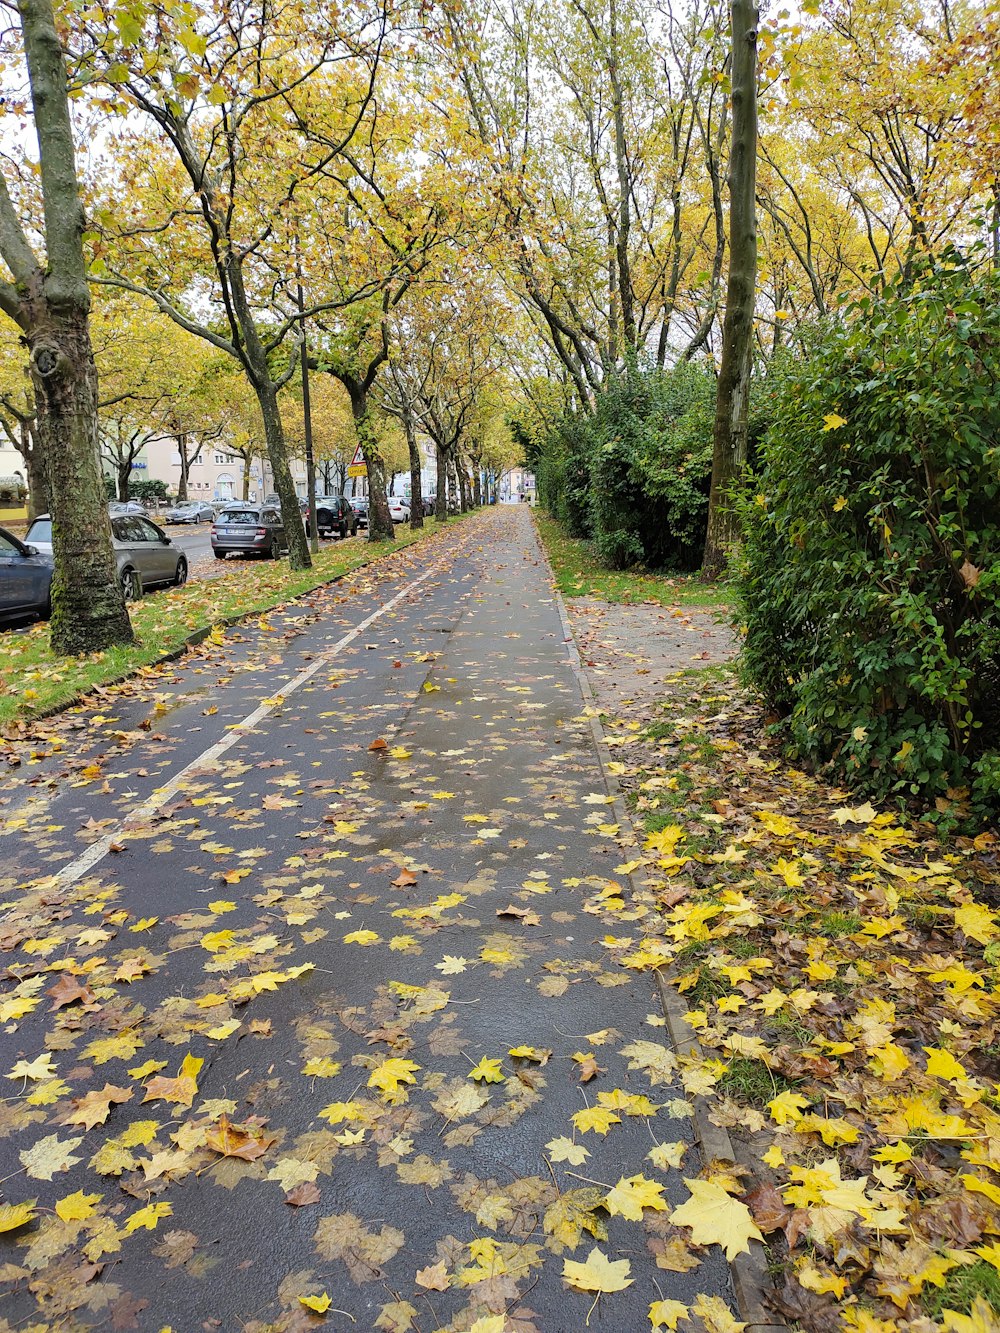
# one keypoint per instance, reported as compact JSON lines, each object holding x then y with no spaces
{"x":434,"y":1277}
{"x":630,"y":1196}
{"x":598,"y":1273}
{"x":320,"y":1304}
{"x":565,"y":1150}
{"x":235,"y":1141}
{"x":49,"y":1157}
{"x":95,"y":1107}
{"x":182,"y":1090}
{"x":39,"y":1068}
{"x":487,"y":1071}
{"x":666,"y":1314}
{"x":68,"y":990}
{"x":716,"y":1218}
{"x":596,"y":1118}
{"x":148,"y":1217}
{"x":14,"y":1215}
{"x":391,"y":1078}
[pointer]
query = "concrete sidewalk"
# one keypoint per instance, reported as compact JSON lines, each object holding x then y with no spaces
{"x":352,"y":916}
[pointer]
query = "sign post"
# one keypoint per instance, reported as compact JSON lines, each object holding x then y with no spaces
{"x":357,"y":466}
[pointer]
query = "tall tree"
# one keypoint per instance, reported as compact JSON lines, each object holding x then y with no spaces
{"x":729,"y":445}
{"x":49,"y":300}
{"x":227,"y":99}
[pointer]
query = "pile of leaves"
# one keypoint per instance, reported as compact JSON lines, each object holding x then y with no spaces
{"x":840,"y":968}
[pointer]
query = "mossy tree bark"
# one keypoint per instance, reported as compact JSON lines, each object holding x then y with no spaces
{"x":50,"y":302}
{"x":729,"y":451}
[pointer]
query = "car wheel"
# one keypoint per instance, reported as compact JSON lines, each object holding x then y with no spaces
{"x":181,"y":577}
{"x":131,"y":584}
{"x":271,"y":550}
{"x":343,"y":528}
{"x":220,"y":555}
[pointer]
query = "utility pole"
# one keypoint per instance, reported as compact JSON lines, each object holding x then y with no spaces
{"x":307,"y":414}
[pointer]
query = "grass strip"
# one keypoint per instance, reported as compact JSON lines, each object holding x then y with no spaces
{"x":35,"y":682}
{"x":579,"y":574}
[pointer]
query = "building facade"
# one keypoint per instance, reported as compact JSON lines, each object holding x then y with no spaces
{"x":217,"y":476}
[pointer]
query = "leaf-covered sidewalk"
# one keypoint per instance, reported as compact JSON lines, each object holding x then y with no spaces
{"x":343,"y":1032}
{"x":839,"y":965}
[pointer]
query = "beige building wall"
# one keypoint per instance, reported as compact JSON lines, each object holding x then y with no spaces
{"x":217,"y":476}
{"x":10,"y":460}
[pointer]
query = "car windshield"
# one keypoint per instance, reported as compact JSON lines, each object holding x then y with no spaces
{"x":40,"y":531}
{"x":239,"y":516}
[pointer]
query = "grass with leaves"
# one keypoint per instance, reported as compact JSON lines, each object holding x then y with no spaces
{"x":837,"y":965}
{"x":34,"y":681}
{"x":580,"y":574}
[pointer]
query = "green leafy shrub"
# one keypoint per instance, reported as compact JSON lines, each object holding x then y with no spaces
{"x":870,"y":581}
{"x":147,"y":490}
{"x":634,"y":475}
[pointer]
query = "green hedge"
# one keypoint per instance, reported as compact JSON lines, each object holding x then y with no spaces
{"x":634,"y":474}
{"x":870,"y":581}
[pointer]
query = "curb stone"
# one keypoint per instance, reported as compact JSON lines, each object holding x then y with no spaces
{"x":751,"y":1280}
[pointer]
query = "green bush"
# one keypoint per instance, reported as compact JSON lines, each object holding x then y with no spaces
{"x":870,"y":581}
{"x":147,"y":490}
{"x":634,"y":475}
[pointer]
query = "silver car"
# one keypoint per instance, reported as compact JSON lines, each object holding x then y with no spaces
{"x":248,"y":528}
{"x":145,"y":555}
{"x":25,"y":579}
{"x":190,"y":511}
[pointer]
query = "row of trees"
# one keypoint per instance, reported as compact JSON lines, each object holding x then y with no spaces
{"x":443,"y":207}
{"x":158,"y":382}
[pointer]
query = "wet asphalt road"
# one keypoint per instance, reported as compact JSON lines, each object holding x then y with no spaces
{"x":403,"y":865}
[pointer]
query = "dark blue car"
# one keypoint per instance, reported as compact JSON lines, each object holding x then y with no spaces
{"x":25,"y":579}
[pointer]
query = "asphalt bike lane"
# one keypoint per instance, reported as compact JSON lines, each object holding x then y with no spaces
{"x":369,"y":1063}
{"x":101,"y":762}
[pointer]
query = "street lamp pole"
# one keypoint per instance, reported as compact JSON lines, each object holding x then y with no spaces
{"x":307,"y":414}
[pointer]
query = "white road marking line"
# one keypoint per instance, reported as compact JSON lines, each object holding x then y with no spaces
{"x":96,"y":852}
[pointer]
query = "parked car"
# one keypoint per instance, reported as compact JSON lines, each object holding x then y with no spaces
{"x":335,"y":517}
{"x":128,"y":507}
{"x":25,"y":579}
{"x":190,"y":511}
{"x":249,"y":528}
{"x":144,"y":554}
{"x":359,"y":503}
{"x":399,"y":509}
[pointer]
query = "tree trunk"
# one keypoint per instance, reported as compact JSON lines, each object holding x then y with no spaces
{"x":34,"y":465}
{"x":441,"y":499}
{"x":182,"y":485}
{"x":477,"y":488}
{"x":380,"y":525}
{"x":88,"y":608}
{"x":416,"y":490}
{"x":729,"y":451}
{"x":123,"y":471}
{"x":463,"y":490}
{"x":51,"y":304}
{"x":274,"y":435}
{"x":623,"y":265}
{"x":247,"y":465}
